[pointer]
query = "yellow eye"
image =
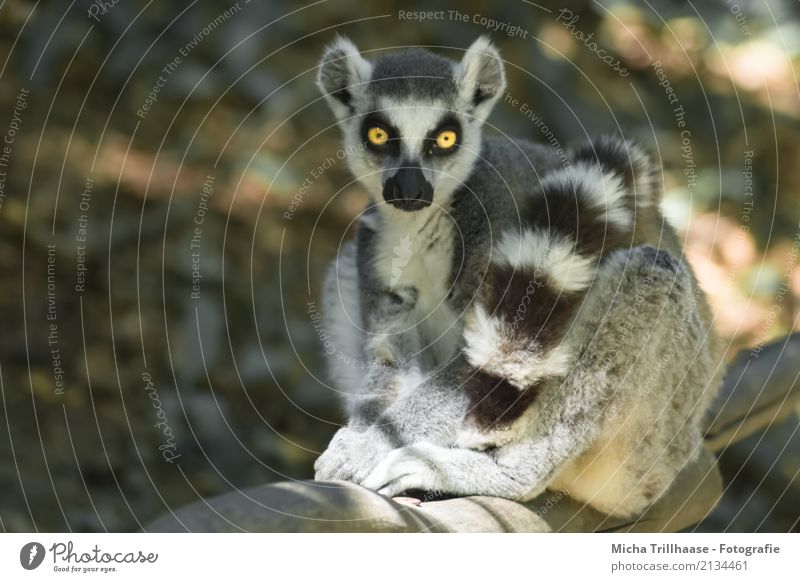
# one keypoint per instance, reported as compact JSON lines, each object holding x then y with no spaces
{"x":377,"y":136}
{"x":446,"y":139}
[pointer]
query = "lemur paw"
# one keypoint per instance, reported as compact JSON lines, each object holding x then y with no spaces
{"x":350,"y":456}
{"x":405,"y":469}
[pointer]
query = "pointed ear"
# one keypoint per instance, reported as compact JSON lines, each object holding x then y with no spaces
{"x":343,"y":74}
{"x":481,"y":77}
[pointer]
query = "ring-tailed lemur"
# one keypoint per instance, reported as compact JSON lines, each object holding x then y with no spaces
{"x":504,"y":323}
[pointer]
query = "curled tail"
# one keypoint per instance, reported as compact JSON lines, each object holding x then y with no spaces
{"x":539,"y":274}
{"x":627,"y":160}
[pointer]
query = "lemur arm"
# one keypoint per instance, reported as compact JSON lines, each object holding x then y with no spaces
{"x":569,"y":412}
{"x":385,"y":349}
{"x":426,"y":407}
{"x":392,"y":344}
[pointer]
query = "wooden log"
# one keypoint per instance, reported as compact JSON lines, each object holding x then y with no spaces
{"x":761,"y":388}
{"x":758,"y":391}
{"x":313,"y":506}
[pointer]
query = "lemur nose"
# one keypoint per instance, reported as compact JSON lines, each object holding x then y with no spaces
{"x":408,"y":189}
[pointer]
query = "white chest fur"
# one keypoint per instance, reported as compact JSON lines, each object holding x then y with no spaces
{"x":415,"y":249}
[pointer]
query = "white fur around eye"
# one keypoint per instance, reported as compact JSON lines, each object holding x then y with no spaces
{"x":414,"y":120}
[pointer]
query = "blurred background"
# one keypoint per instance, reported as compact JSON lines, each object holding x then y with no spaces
{"x":164,"y":226}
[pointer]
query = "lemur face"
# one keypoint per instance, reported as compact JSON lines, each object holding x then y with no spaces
{"x":411,"y":120}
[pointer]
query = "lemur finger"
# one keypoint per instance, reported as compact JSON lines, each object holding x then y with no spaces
{"x":402,"y":470}
{"x":346,"y":458}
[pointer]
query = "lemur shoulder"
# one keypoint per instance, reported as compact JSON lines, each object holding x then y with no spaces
{"x":504,"y":322}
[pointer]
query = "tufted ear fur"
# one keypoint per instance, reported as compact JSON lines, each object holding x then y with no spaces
{"x":480,"y":77}
{"x":343,"y":74}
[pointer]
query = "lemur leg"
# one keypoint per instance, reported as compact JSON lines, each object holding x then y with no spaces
{"x":366,"y":349}
{"x":425,"y":406}
{"x":569,"y":416}
{"x":372,"y":361}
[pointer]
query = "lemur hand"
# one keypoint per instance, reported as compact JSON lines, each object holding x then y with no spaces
{"x":433,"y":468}
{"x":405,"y":469}
{"x":351,"y":455}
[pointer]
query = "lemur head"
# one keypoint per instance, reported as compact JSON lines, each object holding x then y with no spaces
{"x":411,"y":120}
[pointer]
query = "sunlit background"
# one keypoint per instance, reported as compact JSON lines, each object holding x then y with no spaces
{"x":113,"y":141}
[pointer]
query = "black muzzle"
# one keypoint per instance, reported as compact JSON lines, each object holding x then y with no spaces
{"x":408,"y":189}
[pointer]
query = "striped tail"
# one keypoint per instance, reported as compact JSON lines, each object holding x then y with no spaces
{"x":538,"y":276}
